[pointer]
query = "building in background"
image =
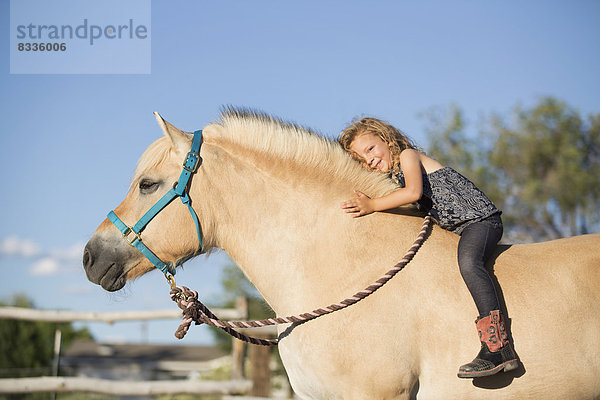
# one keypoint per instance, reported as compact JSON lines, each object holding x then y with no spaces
{"x":86,"y":358}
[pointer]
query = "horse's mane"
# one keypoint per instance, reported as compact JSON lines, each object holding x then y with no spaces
{"x":298,"y":147}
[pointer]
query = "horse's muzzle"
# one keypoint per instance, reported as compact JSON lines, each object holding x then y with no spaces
{"x":105,"y":262}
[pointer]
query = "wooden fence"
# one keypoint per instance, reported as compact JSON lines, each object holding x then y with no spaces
{"x":61,"y":384}
{"x":237,"y":385}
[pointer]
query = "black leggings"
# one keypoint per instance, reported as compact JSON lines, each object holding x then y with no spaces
{"x":476,"y":244}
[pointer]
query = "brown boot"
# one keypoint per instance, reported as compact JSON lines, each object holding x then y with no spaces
{"x":496,"y":353}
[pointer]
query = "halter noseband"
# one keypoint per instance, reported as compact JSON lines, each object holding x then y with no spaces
{"x":180,"y":189}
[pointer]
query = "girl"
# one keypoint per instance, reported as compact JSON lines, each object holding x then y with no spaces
{"x":457,"y":205}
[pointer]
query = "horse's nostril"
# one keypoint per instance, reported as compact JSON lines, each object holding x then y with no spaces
{"x":87,"y":257}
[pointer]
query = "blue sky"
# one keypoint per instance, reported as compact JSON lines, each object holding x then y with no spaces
{"x":70,"y":142}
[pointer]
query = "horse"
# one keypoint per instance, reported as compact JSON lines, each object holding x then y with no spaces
{"x":268,"y":192}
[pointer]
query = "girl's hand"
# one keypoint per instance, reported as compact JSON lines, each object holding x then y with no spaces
{"x":359,"y":206}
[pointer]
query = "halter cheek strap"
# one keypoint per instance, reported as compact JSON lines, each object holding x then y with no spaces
{"x":180,"y":189}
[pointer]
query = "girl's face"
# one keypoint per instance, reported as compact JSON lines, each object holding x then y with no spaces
{"x":374,"y":151}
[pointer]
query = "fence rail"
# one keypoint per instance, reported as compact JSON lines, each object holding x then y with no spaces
{"x":30,"y":314}
{"x":123,"y":388}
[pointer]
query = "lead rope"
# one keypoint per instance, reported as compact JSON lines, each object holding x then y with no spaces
{"x":195,"y":311}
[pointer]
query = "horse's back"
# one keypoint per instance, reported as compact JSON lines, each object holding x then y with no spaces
{"x":555,"y":278}
{"x":589,"y":242}
{"x":566,"y":257}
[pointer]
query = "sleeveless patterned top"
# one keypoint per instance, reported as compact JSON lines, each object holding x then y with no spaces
{"x":451,"y":199}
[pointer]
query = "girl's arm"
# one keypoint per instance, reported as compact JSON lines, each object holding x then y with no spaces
{"x":411,"y":167}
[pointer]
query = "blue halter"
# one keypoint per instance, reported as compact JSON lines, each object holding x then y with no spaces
{"x":180,"y":189}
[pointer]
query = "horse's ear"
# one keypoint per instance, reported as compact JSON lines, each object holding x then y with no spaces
{"x":179,"y":139}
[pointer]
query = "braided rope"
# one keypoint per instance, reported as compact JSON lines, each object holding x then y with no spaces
{"x":195,"y":311}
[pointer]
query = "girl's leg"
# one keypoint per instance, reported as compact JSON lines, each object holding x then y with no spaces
{"x":476,"y":244}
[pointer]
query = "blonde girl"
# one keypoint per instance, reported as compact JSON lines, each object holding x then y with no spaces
{"x":457,"y":205}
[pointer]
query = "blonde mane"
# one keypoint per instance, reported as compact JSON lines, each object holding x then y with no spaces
{"x":285,"y":148}
{"x":296,"y":149}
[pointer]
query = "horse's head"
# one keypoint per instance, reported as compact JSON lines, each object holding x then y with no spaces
{"x":108,"y":258}
{"x":291,"y":179}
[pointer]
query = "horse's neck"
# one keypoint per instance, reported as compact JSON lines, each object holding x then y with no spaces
{"x":290,"y":237}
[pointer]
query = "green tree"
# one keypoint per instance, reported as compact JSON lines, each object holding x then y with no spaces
{"x":541,"y":168}
{"x":27,"y":347}
{"x":448,"y":142}
{"x":235,"y":285}
{"x":549,"y":158}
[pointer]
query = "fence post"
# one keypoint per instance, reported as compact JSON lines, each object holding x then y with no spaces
{"x":238,"y":347}
{"x":260,"y":369}
{"x":57,"y":346}
{"x":56,"y":358}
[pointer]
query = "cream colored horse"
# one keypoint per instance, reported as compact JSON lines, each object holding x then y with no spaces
{"x":269,"y":194}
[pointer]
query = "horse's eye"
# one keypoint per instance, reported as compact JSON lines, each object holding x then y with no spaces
{"x":147,"y":186}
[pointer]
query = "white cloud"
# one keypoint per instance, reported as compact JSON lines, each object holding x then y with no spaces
{"x":59,"y":261}
{"x":15,"y":246}
{"x":45,"y":266}
{"x":52,"y":262}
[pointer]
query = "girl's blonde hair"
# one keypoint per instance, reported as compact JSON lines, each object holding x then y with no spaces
{"x":395,"y":138}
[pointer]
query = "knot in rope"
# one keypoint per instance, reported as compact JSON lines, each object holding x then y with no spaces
{"x":187,"y":300}
{"x":195,"y":311}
